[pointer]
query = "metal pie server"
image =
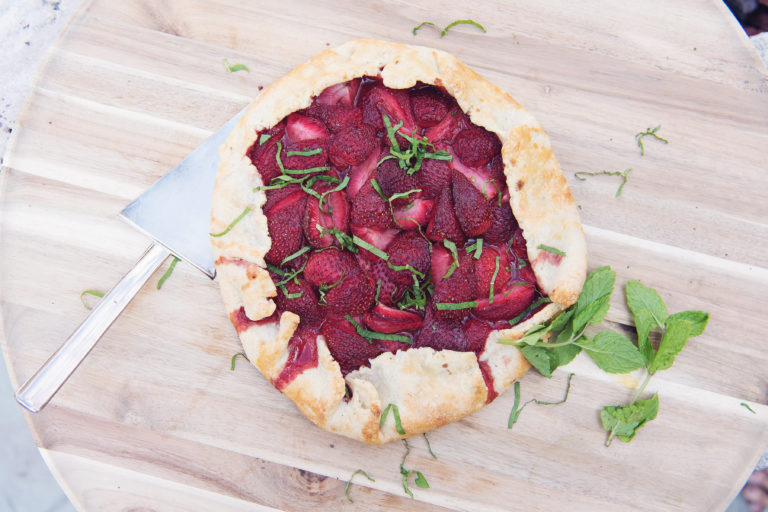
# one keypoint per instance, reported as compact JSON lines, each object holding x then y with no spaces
{"x":175,"y":213}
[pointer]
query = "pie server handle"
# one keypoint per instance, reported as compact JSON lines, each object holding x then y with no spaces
{"x":40,"y":388}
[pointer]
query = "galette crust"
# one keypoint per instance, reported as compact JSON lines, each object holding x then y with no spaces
{"x":431,"y":388}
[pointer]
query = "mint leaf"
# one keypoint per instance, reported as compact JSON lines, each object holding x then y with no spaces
{"x":558,"y":324}
{"x":594,"y":300}
{"x":612,"y":352}
{"x":680,"y":327}
{"x":543,"y":359}
{"x":649,"y":312}
{"x":623,"y":421}
{"x":566,"y":353}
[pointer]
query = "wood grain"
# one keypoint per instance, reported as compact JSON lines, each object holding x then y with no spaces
{"x":154,"y":419}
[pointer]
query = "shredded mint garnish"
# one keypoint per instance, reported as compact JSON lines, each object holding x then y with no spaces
{"x":234,"y":67}
{"x":168,"y":272}
{"x":305,"y":152}
{"x":624,"y":177}
{"x":373,"y":335}
{"x":396,"y":414}
{"x":234,"y":357}
{"x":515,"y":414}
{"x":550,"y":249}
{"x":89,"y":292}
{"x":461,"y":22}
{"x":406,"y":267}
{"x":295,"y":255}
{"x":410,"y":159}
{"x":416,"y":297}
{"x":323,"y":288}
{"x":370,"y":248}
{"x":416,"y":28}
{"x":455,"y":254}
{"x":233,"y":223}
{"x":444,"y":31}
{"x":493,"y":280}
{"x":542,"y":300}
{"x":264,"y":137}
{"x":744,"y":404}
{"x":453,"y":306}
{"x":429,"y":446}
{"x":648,"y":132}
{"x":420,"y":480}
{"x":378,"y":290}
{"x":346,"y":487}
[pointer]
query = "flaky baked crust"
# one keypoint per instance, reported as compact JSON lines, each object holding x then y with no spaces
{"x":431,"y":388}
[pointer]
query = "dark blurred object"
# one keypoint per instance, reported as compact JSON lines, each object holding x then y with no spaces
{"x":755,"y":491}
{"x":752,"y":14}
{"x":742,"y":8}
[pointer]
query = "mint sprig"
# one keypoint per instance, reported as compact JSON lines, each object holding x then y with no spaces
{"x":610,"y":351}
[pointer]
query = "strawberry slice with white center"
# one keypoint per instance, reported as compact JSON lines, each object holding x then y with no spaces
{"x":415,"y":214}
{"x":340,"y":94}
{"x":389,"y":320}
{"x":299,"y":128}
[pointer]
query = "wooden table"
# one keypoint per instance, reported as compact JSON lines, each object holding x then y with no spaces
{"x":154,"y":418}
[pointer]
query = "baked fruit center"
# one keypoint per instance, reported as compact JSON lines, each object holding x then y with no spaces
{"x":390,"y":223}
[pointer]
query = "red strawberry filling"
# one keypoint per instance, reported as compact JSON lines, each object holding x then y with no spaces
{"x":390,"y":223}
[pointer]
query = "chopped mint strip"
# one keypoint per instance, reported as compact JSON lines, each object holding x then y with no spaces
{"x":396,"y":414}
{"x":453,"y":306}
{"x":234,"y":67}
{"x":370,"y":248}
{"x":232,"y":366}
{"x":168,"y":272}
{"x":373,"y":335}
{"x":549,"y":249}
{"x":89,"y":292}
{"x":305,"y":152}
{"x":346,"y":487}
{"x":295,"y":255}
{"x":461,"y":22}
{"x":233,"y":223}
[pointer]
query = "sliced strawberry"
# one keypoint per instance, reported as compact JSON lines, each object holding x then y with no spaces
{"x":458,"y":287}
{"x":334,"y":214}
{"x":447,"y":129}
{"x":394,"y":180}
{"x":408,"y":248}
{"x":430,"y":106}
{"x":485,"y":266}
{"x":349,"y":349}
{"x":477,"y":332}
{"x":325,"y":268}
{"x":378,"y":238}
{"x":440,"y":261}
{"x":391,"y":320}
{"x":472,"y":209}
{"x":389,"y":291}
{"x":265,"y":160}
{"x":275,"y":197}
{"x":336,"y":117}
{"x":480,"y":177}
{"x":476,"y":146}
{"x":285,"y":228}
{"x":394,"y":103}
{"x":433,"y":177}
{"x":503,"y":225}
{"x":305,"y":305}
{"x":392,"y":345}
{"x":361,"y":174}
{"x":519,"y":245}
{"x":353,"y":295}
{"x":305,"y":162}
{"x":508,"y":302}
{"x":441,"y":334}
{"x":299,"y":127}
{"x":414,"y":214}
{"x":352,"y":145}
{"x":343,"y":93}
{"x":370,"y":210}
{"x":444,"y":224}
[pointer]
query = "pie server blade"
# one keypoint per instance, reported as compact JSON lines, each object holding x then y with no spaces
{"x":174,"y":213}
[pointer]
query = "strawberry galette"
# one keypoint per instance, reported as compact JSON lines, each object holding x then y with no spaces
{"x":385,"y":216}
